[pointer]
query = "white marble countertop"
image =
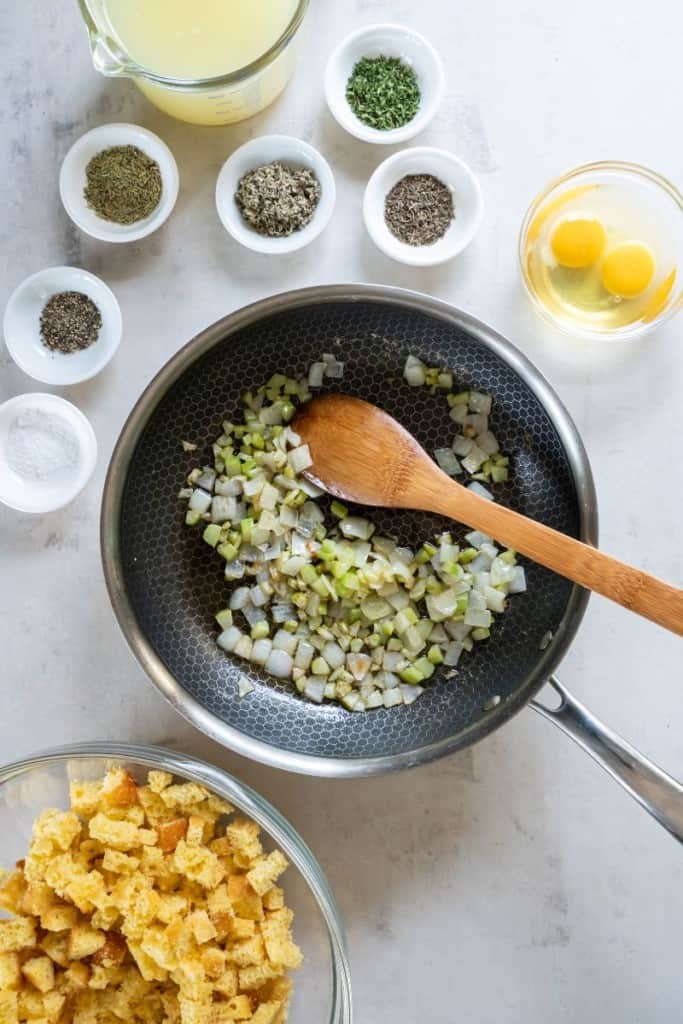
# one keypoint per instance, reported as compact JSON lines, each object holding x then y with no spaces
{"x":514,"y":882}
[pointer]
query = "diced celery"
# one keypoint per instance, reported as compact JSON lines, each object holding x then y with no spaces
{"x":411,"y":675}
{"x":192,"y":517}
{"x":338,"y":509}
{"x":435,"y":655}
{"x":212,"y":534}
{"x":224,"y":618}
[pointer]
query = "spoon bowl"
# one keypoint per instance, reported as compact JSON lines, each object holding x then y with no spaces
{"x":364,"y":455}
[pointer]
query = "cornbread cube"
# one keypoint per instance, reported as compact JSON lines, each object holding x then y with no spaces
{"x":60,"y":827}
{"x":9,"y":1011}
{"x":40,"y":971}
{"x":193,"y":1012}
{"x":244,"y":838}
{"x":245,"y":902}
{"x":213,"y":961}
{"x":53,"y":1004}
{"x":202,"y":927}
{"x":274,"y":899}
{"x":121,"y":835}
{"x":266,"y":1013}
{"x":30,"y":1004}
{"x":170,"y":833}
{"x":12,"y":890}
{"x":59,"y":918}
{"x":55,"y":945}
{"x":84,"y":941}
{"x":226,"y":983}
{"x":266,"y":871}
{"x":38,"y":897}
{"x":240,"y":1007}
{"x":198,"y":864}
{"x":190,"y":978}
{"x":157,"y":945}
{"x":119,"y":789}
{"x":247,"y":952}
{"x":217,"y":806}
{"x":221,"y":846}
{"x":149,"y":969}
{"x":102,"y":977}
{"x":119,"y":863}
{"x":19,"y":933}
{"x":254,"y":977}
{"x":276,"y":934}
{"x":278,"y":990}
{"x":242,"y":929}
{"x":87,"y":892}
{"x":113,"y":952}
{"x":77,"y":976}
{"x":10,"y":975}
{"x":171,"y":907}
{"x":85,"y":797}
{"x":105,"y":917}
{"x":156,"y":811}
{"x":195,"y":830}
{"x":88,"y":850}
{"x":184,"y":796}
{"x":159,"y":780}
{"x":147,"y":836}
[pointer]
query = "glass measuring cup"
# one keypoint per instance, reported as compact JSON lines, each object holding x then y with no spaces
{"x":213,"y":101}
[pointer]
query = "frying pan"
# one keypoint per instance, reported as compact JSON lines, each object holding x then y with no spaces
{"x":166,"y":585}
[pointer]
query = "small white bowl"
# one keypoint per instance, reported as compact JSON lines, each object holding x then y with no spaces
{"x":467,"y":203}
{"x":72,"y":181}
{"x":385,"y":41}
{"x":265,"y":150}
{"x":22,"y":327}
{"x":46,"y":494}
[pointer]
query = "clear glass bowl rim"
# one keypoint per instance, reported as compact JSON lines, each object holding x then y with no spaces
{"x":639,"y":170}
{"x":125,"y":66}
{"x":248,"y":801}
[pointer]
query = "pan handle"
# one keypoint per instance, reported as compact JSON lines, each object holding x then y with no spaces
{"x":654,"y":790}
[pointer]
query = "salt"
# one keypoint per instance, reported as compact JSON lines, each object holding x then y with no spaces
{"x":40,"y":444}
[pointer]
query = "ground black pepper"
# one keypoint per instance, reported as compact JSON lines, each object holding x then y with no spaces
{"x":123,"y":184}
{"x":419,"y":209}
{"x":70,"y":322}
{"x":276,"y":200}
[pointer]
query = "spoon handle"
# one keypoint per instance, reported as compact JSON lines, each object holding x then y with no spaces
{"x":634,"y":589}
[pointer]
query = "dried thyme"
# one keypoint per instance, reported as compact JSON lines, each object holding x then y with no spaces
{"x":70,"y":322}
{"x":123,"y":184}
{"x":383,"y":92}
{"x":419,"y":209}
{"x":276,"y":200}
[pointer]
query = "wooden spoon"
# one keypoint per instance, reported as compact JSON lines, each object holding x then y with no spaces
{"x":360,"y":453}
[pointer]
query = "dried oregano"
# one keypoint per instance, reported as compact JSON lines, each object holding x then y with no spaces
{"x":277,"y":200}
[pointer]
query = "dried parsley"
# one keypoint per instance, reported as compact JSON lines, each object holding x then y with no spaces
{"x":419,"y":209}
{"x":123,"y":184}
{"x":70,"y":322}
{"x":276,"y":200}
{"x":383,"y":92}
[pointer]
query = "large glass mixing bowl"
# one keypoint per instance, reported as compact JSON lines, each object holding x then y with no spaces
{"x":223,"y":100}
{"x":322,"y":990}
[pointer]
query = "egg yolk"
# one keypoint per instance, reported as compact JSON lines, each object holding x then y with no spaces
{"x":578,"y":242}
{"x":628,"y":270}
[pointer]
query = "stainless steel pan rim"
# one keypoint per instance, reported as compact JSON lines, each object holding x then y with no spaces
{"x":153,"y":665}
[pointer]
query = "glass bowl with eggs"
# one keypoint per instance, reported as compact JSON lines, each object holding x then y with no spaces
{"x":601,"y":251}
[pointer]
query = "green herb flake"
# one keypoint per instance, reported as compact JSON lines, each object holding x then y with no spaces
{"x":383,"y":92}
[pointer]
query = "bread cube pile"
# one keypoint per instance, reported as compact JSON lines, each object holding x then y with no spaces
{"x":141,"y":905}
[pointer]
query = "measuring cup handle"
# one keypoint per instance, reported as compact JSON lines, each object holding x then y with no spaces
{"x":659,"y":793}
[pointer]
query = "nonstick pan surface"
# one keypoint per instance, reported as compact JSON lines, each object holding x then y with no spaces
{"x":166,"y":584}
